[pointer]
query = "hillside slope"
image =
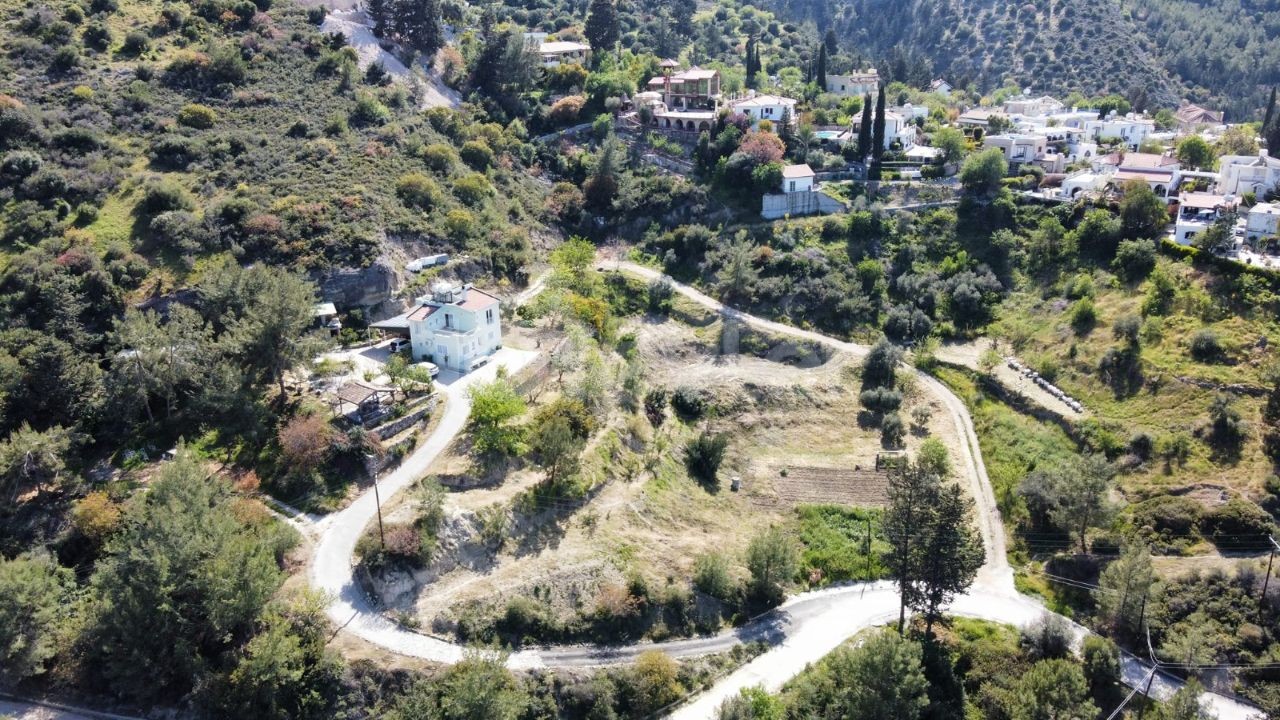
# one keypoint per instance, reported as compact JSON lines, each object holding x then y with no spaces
{"x":1216,"y":53}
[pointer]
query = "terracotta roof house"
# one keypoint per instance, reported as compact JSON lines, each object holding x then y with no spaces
{"x":1191,"y":116}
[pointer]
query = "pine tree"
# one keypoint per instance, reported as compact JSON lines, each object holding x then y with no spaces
{"x":379,"y":14}
{"x":877,"y":129}
{"x":418,"y":24}
{"x":602,"y":26}
{"x":864,"y":131}
{"x":822,"y":68}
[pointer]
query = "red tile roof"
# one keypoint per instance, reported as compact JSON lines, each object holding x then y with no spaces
{"x":477,"y":300}
{"x":422,"y":312}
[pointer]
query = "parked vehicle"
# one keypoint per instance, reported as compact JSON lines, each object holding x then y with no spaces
{"x":398,"y":344}
{"x":429,"y":367}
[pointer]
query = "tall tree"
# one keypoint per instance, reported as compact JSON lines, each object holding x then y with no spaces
{"x":951,"y":553}
{"x":877,"y":130}
{"x":752,"y":62}
{"x":275,"y":331}
{"x":883,"y":677}
{"x":821,"y":73}
{"x":829,"y":40}
{"x":1271,"y":109}
{"x":35,"y":595}
{"x":602,"y":26}
{"x":913,"y":493}
{"x":1051,"y":690}
{"x":162,"y":359}
{"x":418,"y":23}
{"x":1074,"y":495}
{"x":864,"y":130}
{"x":182,"y":580}
{"x":380,"y":14}
{"x":1126,"y":582}
{"x":33,"y":459}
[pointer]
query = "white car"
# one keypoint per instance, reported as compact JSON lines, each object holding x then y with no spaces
{"x":398,"y":344}
{"x":429,"y":367}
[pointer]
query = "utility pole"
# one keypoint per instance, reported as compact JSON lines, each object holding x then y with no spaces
{"x":1266,"y":581}
{"x":377,"y":498}
{"x":868,"y":548}
{"x":1151,"y":653}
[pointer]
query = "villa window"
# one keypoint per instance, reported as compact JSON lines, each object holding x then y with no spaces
{"x":448,"y":321}
{"x":488,"y":316}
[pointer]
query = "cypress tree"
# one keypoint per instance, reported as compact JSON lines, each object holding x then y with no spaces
{"x":750,"y":62}
{"x":602,"y":26}
{"x":864,"y":131}
{"x":877,"y":130}
{"x":822,"y":68}
{"x":1271,"y":110}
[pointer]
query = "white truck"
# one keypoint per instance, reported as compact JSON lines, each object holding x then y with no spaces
{"x":419,"y":264}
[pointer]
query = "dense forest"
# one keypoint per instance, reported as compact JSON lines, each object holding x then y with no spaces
{"x":1221,"y":54}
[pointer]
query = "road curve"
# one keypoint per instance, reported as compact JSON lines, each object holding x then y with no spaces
{"x":804,"y":629}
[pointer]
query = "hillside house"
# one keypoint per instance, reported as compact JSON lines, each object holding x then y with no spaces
{"x":797,"y":178}
{"x":1197,"y":212}
{"x":979,"y":117}
{"x":1263,"y":222}
{"x":560,"y":52}
{"x":774,"y":108}
{"x":1240,"y":174}
{"x":690,"y":98}
{"x":1162,"y":173}
{"x":865,"y":82}
{"x":1019,"y":149}
{"x":455,"y":326}
{"x":897,"y":129}
{"x":941,"y":87}
{"x":798,"y":195}
{"x":1033,"y":107}
{"x":1190,"y":117}
{"x":1130,"y":129}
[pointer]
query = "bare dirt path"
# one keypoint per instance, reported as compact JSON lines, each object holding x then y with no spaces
{"x":354,"y":25}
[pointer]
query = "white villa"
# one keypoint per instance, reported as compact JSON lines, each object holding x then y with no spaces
{"x":682,"y":100}
{"x":1033,"y":107}
{"x":1131,"y":129}
{"x":866,"y":82}
{"x":1197,"y":212}
{"x":897,"y":128}
{"x":1240,"y":174}
{"x":773,"y":108}
{"x":556,"y":52}
{"x":456,"y":326}
{"x":1263,"y":222}
{"x":1019,"y":149}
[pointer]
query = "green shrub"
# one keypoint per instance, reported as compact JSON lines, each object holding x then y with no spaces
{"x":164,"y":196}
{"x":704,"y":454}
{"x":439,"y":157}
{"x":473,"y":189}
{"x":477,"y":154}
{"x":198,"y":116}
{"x":1205,"y":346}
{"x":711,"y":576}
{"x":418,"y":190}
{"x":1170,"y":515}
{"x":1083,"y":316}
{"x":1238,"y":525}
{"x":688,"y":402}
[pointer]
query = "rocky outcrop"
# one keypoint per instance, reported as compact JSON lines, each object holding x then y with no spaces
{"x":366,"y":287}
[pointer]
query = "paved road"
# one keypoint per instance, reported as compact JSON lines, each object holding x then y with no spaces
{"x":332,"y":564}
{"x":801,"y":631}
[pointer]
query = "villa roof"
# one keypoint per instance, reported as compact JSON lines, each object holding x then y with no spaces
{"x":1141,"y":161}
{"x":669,"y":63}
{"x":420,"y":313}
{"x":1148,"y":176}
{"x":477,"y":300}
{"x":764,"y":101}
{"x":797,"y":171}
{"x":562,"y":46}
{"x":1194,"y":114}
{"x":1203,"y":201}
